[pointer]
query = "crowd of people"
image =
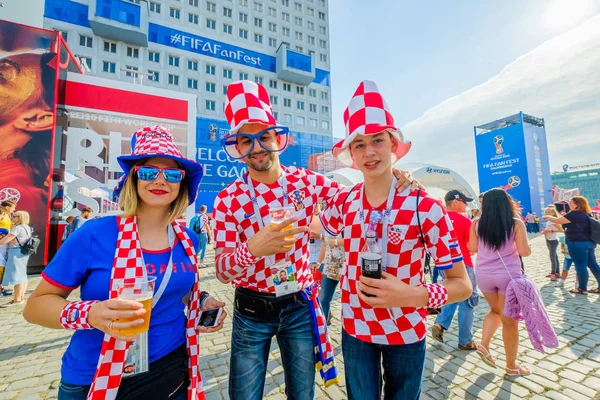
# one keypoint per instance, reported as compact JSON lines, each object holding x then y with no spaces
{"x":329,"y":234}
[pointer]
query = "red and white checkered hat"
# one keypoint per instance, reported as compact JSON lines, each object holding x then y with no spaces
{"x":248,"y":102}
{"x":157,"y":141}
{"x":368,"y":114}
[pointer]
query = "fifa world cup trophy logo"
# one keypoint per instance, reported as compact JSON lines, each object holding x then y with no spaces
{"x":498,"y":140}
{"x":212,"y":128}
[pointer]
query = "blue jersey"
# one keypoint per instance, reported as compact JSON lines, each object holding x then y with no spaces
{"x":86,"y":260}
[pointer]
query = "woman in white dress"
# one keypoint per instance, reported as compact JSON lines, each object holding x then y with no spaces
{"x":15,"y":273}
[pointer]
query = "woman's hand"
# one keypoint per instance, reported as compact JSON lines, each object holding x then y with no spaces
{"x":210,"y":304}
{"x":104,"y":315}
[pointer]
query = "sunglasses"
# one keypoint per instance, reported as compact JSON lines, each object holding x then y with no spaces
{"x":247,"y":140}
{"x":171,"y":175}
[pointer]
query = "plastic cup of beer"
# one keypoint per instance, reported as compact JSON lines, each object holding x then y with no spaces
{"x":280,"y":214}
{"x":140,"y":290}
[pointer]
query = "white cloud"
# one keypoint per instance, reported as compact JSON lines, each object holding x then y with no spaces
{"x":558,"y":81}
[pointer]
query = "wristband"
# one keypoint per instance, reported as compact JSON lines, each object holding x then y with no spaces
{"x":438,"y":295}
{"x":243,"y":257}
{"x":75,"y":315}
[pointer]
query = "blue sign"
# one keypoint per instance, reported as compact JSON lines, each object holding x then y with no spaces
{"x":502,"y":163}
{"x":220,"y":170}
{"x":118,"y":10}
{"x":538,"y":166}
{"x":67,"y":11}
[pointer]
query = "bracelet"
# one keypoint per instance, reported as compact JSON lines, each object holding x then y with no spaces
{"x":75,"y":315}
{"x":438,"y":295}
{"x":243,"y":257}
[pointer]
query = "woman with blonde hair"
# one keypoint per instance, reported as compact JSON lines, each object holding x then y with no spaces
{"x":579,"y":242}
{"x":15,"y":273}
{"x":552,"y":242}
{"x":143,"y":243}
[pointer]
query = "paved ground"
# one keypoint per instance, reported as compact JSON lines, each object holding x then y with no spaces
{"x":30,"y":355}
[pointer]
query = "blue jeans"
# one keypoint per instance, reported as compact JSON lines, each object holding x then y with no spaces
{"x":402,"y":369}
{"x":466,"y":313}
{"x":66,"y":391}
{"x":250,"y":345}
{"x":567,"y":264}
{"x":583,"y":256}
{"x":327,"y":291}
{"x":203,"y":242}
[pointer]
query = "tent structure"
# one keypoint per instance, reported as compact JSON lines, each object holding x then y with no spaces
{"x":429,"y":175}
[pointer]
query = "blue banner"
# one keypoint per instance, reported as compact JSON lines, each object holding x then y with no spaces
{"x":220,"y":170}
{"x":502,"y":163}
{"x":538,"y":166}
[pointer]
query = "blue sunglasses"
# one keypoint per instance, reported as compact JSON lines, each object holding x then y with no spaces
{"x":171,"y":175}
{"x":250,"y":139}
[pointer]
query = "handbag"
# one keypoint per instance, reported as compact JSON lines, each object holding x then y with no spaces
{"x":31,"y":245}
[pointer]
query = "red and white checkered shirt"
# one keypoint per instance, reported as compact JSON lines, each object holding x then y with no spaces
{"x":235,"y":222}
{"x":405,"y":254}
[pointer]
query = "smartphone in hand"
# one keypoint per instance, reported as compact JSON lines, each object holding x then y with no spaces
{"x":210,"y":318}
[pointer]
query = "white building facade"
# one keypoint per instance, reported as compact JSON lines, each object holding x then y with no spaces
{"x":200,"y":46}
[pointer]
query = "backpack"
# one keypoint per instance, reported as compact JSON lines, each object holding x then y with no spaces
{"x":594,"y":230}
{"x":31,"y":245}
{"x":197,"y":227}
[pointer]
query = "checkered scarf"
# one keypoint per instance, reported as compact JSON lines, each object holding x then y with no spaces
{"x":324,"y":357}
{"x":128,"y":266}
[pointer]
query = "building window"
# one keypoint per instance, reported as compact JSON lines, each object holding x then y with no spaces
{"x":311,"y":40}
{"x":287,"y":87}
{"x":310,"y":11}
{"x":211,"y":23}
{"x":272,"y":27}
{"x":313,"y":123}
{"x":84,"y":60}
{"x":324,"y":96}
{"x":310,"y":25}
{"x":224,"y":89}
{"x":285,"y":3}
{"x":276,"y":115}
{"x":321,"y":15}
{"x":299,"y":120}
{"x":210,"y":105}
{"x":272,"y":42}
{"x":287,"y":118}
{"x":325,"y":110}
{"x":325,"y":125}
{"x":258,"y":22}
{"x":85,"y":41}
{"x":273,"y":99}
{"x":243,"y":76}
{"x":287,"y":102}
{"x":210,"y":69}
{"x":300,"y":90}
{"x":192,"y":83}
{"x":243,"y":33}
{"x":323,"y":57}
{"x":285,"y":16}
{"x":243,"y":17}
{"x":300,"y":105}
{"x":153,"y":56}
{"x":227,"y":73}
{"x":258,"y":38}
{"x":312,"y":108}
{"x":65,"y":34}
{"x":174,"y":13}
{"x":211,"y":7}
{"x":194,"y":3}
{"x":244,"y":3}
{"x":133,"y":52}
{"x":193,"y":18}
{"x":110,"y":47}
{"x":285,"y":31}
{"x":193,"y":65}
{"x":322,"y":30}
{"x":227,"y":28}
{"x":272,"y":12}
{"x":174,"y":80}
{"x":321,"y":3}
{"x":227,"y":12}
{"x":211,"y":87}
{"x":174,"y":61}
{"x":312,"y":92}
{"x":298,"y":21}
{"x":299,"y":36}
{"x":300,"y":49}
{"x":258,"y":79}
{"x":272,"y":83}
{"x":258,"y":7}
{"x":155,"y":7}
{"x":154,"y":76}
{"x":109,"y":67}
{"x":298,"y":6}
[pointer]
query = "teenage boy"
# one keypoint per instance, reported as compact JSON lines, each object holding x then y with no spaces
{"x":384,"y":320}
{"x":251,"y":254}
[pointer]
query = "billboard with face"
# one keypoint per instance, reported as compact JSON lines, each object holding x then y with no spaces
{"x":28,"y":76}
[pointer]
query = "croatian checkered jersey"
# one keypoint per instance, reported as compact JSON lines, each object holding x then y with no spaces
{"x":235,"y":223}
{"x":405,"y":253}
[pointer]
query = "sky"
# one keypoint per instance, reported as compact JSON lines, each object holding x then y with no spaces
{"x":444,"y":67}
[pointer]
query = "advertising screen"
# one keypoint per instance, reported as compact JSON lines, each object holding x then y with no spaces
{"x":538,"y":166}
{"x":28,"y":76}
{"x":502,"y":162}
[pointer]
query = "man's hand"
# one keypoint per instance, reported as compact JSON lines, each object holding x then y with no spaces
{"x":390,"y":291}
{"x":405,"y":179}
{"x":274,"y":239}
{"x":210,"y":304}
